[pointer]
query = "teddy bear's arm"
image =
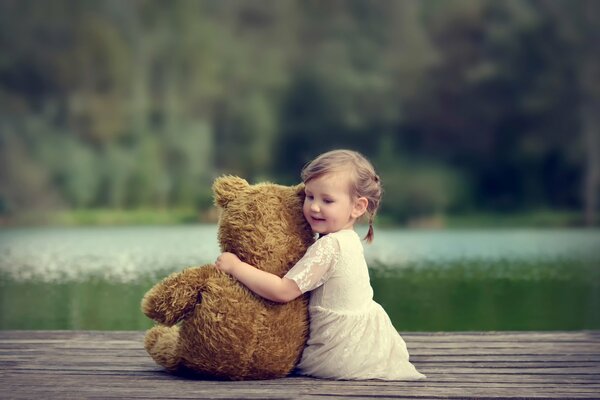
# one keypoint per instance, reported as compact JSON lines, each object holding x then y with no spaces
{"x":176,"y":295}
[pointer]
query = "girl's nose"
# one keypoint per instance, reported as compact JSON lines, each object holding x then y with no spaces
{"x":314,"y":207}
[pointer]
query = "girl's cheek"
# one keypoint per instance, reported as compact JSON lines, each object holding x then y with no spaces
{"x":306,"y":209}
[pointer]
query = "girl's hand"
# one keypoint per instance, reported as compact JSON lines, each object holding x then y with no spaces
{"x":226,"y":262}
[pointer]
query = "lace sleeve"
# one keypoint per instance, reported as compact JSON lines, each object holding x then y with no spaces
{"x":317,"y":264}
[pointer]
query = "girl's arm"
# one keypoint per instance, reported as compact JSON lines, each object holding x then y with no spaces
{"x":262,"y":283}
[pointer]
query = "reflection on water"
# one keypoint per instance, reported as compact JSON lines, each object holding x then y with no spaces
{"x":426,"y":247}
{"x":94,"y":278}
{"x":120,"y":254}
{"x":124,"y":254}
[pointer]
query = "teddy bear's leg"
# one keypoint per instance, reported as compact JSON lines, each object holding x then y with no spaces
{"x":162,"y":343}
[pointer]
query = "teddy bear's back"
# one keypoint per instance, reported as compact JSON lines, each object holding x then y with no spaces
{"x":264,"y":338}
{"x":233,"y":333}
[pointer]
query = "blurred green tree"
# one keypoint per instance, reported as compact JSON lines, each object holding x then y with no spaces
{"x":463,"y":105}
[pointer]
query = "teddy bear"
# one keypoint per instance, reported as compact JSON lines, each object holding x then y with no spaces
{"x":212,"y":325}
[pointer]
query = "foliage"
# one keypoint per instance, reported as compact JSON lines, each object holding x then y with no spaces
{"x":464,"y":106}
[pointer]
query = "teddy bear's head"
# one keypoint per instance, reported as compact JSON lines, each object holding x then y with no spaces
{"x":262,"y":224}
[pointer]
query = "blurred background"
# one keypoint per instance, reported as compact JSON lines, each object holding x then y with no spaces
{"x":481,"y":117}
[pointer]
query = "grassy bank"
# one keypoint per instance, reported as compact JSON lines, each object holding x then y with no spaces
{"x":491,"y":295}
{"x":456,"y":296}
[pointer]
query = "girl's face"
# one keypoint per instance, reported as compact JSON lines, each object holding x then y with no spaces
{"x":328,"y":206}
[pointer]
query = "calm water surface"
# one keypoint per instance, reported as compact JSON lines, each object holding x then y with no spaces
{"x":94,"y":278}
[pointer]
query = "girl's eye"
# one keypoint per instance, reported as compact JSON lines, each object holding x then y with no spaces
{"x":328,"y":201}
{"x":310,"y":196}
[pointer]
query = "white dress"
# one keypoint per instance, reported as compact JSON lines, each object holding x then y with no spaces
{"x":351,"y":336}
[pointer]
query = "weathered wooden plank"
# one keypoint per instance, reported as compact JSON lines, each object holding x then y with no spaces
{"x":489,"y":357}
{"x":175,"y":389}
{"x":155,"y":372}
{"x":427,"y":370}
{"x":135,"y":354}
{"x":555,"y":350}
{"x":567,"y":335}
{"x":77,"y":364}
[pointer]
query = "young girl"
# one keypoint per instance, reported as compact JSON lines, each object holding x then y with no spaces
{"x":351,"y":336}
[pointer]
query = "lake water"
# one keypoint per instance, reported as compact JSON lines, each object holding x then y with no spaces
{"x":94,"y":278}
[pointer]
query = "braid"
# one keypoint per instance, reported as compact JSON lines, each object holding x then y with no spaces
{"x":370,"y":233}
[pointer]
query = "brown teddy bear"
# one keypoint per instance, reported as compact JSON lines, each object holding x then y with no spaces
{"x":212,"y":324}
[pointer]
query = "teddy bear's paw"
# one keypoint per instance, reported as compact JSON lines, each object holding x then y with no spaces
{"x":161,"y":342}
{"x":175,"y":297}
{"x":154,"y":306}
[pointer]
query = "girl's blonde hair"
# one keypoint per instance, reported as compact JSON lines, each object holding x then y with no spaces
{"x":364,"y":181}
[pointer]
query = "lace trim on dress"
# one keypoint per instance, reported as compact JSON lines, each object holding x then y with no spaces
{"x":317,"y":264}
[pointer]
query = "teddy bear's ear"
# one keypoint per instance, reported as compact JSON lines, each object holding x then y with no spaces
{"x":226,"y":188}
{"x":299,"y":189}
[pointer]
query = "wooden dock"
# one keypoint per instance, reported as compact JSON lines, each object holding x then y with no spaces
{"x":101,"y":365}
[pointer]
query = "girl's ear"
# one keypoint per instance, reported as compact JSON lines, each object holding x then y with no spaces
{"x":360,"y":207}
{"x":226,"y":188}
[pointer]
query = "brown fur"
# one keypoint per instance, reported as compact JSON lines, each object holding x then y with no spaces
{"x":224,"y":330}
